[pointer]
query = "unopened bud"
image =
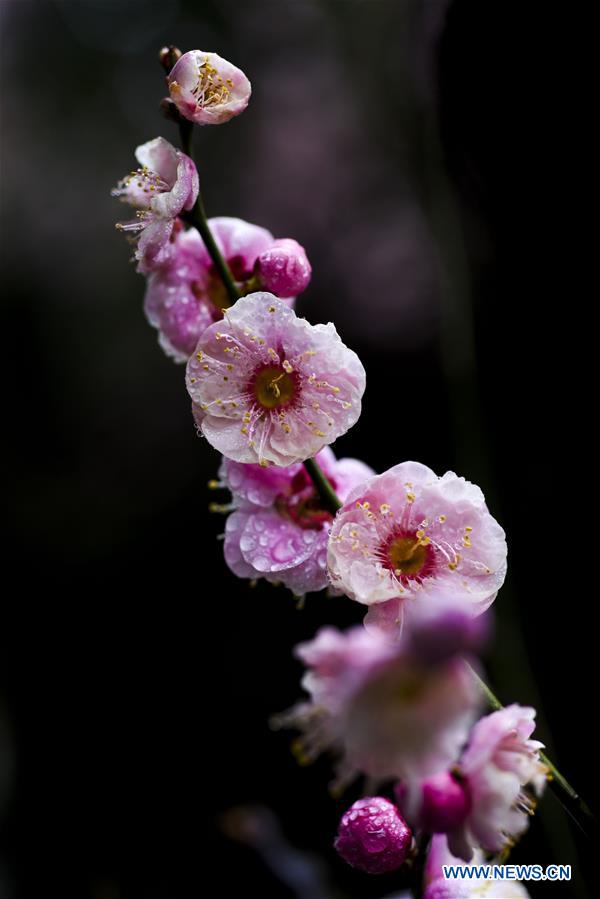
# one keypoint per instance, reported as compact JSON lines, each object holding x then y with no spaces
{"x":443,"y":802}
{"x":284,"y":269}
{"x":168,"y":56}
{"x":373,"y":836}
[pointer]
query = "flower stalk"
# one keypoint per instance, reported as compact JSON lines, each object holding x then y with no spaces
{"x":197,"y":217}
{"x":326,"y":493}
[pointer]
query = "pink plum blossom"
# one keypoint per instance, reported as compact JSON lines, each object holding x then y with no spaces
{"x":481,"y":802}
{"x":207,"y":89}
{"x":164,"y":186}
{"x":499,"y":762}
{"x":387,"y":714}
{"x":185,"y":293}
{"x":437,"y":887}
{"x":268,"y":387}
{"x":373,"y":836}
{"x":177,"y":300}
{"x":284,"y":269}
{"x":279,"y":529}
{"x":407,"y":536}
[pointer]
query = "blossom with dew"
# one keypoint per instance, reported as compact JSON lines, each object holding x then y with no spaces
{"x":165,"y":185}
{"x":408,"y":535}
{"x":177,"y":300}
{"x":503,"y":773}
{"x":438,"y":887}
{"x":386,"y":712}
{"x":206,"y":89}
{"x":279,"y":528}
{"x":373,"y":836}
{"x":185,"y":293}
{"x":284,"y":269}
{"x":269,"y":387}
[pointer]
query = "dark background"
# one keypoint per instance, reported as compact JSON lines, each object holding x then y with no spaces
{"x":427,"y":155}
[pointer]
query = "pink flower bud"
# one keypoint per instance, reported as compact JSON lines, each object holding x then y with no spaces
{"x":445,"y":803}
{"x":284,"y":268}
{"x":207,"y":89}
{"x":373,"y":837}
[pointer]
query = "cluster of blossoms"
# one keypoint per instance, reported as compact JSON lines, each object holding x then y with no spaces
{"x":407,"y":714}
{"x":396,"y":700}
{"x":184,"y":293}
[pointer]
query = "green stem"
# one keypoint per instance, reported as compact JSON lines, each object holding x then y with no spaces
{"x":326,"y":492}
{"x":197,"y":217}
{"x":568,"y":797}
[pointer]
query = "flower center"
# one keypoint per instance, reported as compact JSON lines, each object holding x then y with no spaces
{"x":302,"y":505}
{"x":139,"y":187}
{"x":211,"y":88}
{"x":274,"y":387}
{"x":408,"y":556}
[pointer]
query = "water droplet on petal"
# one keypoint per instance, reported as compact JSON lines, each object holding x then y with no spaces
{"x":261,"y":563}
{"x":247,"y":543}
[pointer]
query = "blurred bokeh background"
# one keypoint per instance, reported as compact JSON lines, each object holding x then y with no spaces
{"x":414,"y":148}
